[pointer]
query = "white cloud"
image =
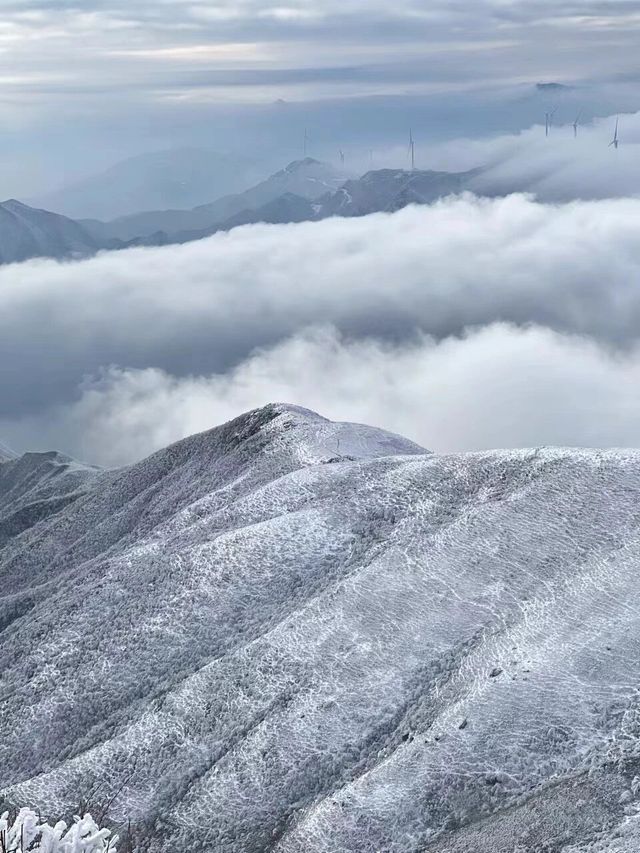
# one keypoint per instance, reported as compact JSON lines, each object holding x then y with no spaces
{"x":496,"y":387}
{"x":202,"y":309}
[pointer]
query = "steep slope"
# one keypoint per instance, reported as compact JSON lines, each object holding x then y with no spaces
{"x":309,"y":179}
{"x":29,"y":233}
{"x":182,"y":177}
{"x":36,"y":486}
{"x":292,"y":635}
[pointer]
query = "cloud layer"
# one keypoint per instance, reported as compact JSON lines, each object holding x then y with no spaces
{"x":500,"y":386}
{"x":112,"y":357}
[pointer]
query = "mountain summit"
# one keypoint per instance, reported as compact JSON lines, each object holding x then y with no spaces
{"x":26,"y":232}
{"x":292,"y":635}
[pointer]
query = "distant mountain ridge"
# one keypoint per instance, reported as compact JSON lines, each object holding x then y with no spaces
{"x":385,"y":190}
{"x":307,"y":178}
{"x":305,"y":191}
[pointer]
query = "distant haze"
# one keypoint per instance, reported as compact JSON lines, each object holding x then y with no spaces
{"x":86,"y":85}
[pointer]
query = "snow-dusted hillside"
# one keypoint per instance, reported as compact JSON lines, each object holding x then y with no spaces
{"x":292,"y":635}
{"x":29,"y":233}
{"x":392,"y":189}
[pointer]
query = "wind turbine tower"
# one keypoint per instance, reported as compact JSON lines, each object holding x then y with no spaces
{"x":548,"y":119}
{"x":615,"y":141}
{"x":306,"y":142}
{"x":412,"y":150}
{"x":575,"y":125}
{"x":342,"y":157}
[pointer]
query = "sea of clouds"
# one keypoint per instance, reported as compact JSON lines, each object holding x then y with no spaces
{"x":469,"y":324}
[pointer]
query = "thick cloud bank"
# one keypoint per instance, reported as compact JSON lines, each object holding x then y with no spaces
{"x":496,"y":387}
{"x":98,"y":357}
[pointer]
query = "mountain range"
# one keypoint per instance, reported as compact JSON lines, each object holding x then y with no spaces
{"x":287,"y":634}
{"x":308,"y":179}
{"x":306,"y":190}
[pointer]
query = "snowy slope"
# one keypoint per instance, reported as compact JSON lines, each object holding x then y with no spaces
{"x":29,"y":233}
{"x":387,"y":190}
{"x":292,"y":635}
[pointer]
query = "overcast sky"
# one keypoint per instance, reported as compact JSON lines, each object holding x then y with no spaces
{"x":254,"y":50}
{"x":86,"y":82}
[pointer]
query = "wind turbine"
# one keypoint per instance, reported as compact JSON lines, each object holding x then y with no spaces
{"x":342,"y":156}
{"x":306,"y":142}
{"x":412,"y":151}
{"x":615,"y":141}
{"x":548,"y":118}
{"x":575,"y":125}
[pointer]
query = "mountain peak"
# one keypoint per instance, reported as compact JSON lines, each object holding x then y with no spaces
{"x":305,"y":163}
{"x":14,"y":203}
{"x":314,"y":438}
{"x":300,"y":437}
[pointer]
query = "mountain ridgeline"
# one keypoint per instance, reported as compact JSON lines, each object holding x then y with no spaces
{"x":29,"y":233}
{"x":298,"y":636}
{"x":307,"y":190}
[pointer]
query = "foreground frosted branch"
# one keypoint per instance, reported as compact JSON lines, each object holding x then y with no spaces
{"x":26,"y":834}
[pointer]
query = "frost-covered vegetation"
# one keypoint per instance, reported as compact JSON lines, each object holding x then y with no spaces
{"x":26,"y":833}
{"x":302,"y":637}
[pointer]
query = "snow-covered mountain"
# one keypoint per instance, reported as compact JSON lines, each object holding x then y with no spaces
{"x":26,"y":232}
{"x":292,"y":635}
{"x":392,"y":189}
{"x":180,"y":178}
{"x":307,"y":179}
{"x":386,"y":190}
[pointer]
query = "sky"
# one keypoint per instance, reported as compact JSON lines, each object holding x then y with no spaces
{"x":86,"y":83}
{"x":507,"y":318}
